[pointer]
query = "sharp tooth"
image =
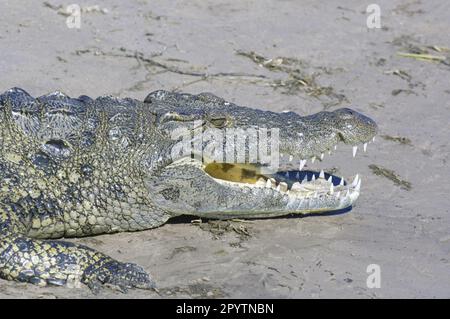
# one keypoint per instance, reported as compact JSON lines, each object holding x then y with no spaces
{"x":297,"y":176}
{"x":302,"y":164}
{"x":313,"y":178}
{"x":365,"y":147}
{"x":287,"y":174}
{"x":260,"y":182}
{"x":296,"y":186}
{"x":331,"y":189}
{"x":278,"y":188}
{"x":341,"y":183}
{"x":321,"y":156}
{"x":329,"y":152}
{"x":330,"y":179}
{"x":281,"y":155}
{"x":335,"y":147}
{"x":358,"y":186}
{"x":373,"y":140}
{"x":315,"y":195}
{"x":291,"y":158}
{"x":355,"y":149}
{"x":322,"y":174}
{"x":268,"y":183}
{"x":313,"y":159}
{"x":283,"y":186}
{"x":305,"y":179}
{"x":355,"y":181}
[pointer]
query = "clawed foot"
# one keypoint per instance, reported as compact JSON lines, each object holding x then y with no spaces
{"x":118,"y":275}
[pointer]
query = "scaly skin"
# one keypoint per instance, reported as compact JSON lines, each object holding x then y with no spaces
{"x":80,"y":167}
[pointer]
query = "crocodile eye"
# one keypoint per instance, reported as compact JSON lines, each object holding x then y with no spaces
{"x":218,"y":122}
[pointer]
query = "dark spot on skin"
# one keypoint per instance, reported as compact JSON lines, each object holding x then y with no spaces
{"x":171,"y":193}
{"x":23,"y":244}
{"x":86,"y":170}
{"x":57,"y":148}
{"x":42,"y":161}
{"x":118,"y":190}
{"x":87,"y":139}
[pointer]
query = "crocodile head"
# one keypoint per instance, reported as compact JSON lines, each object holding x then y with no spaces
{"x":230,"y":161}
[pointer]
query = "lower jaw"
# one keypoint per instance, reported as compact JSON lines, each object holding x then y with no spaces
{"x":281,"y":183}
{"x":273,"y":212}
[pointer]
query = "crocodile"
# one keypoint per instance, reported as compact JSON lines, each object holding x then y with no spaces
{"x":74,"y":167}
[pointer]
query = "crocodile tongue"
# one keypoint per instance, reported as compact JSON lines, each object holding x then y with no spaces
{"x":240,"y":173}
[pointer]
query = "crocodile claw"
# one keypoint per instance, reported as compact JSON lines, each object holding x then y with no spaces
{"x":117,"y":275}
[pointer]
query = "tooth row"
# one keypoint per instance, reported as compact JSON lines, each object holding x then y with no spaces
{"x":339,"y":194}
{"x":282,"y":187}
{"x":313,"y":159}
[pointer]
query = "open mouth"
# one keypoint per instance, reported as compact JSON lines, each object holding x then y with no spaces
{"x":295,"y":184}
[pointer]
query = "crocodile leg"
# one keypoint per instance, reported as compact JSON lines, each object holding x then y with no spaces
{"x":54,"y":262}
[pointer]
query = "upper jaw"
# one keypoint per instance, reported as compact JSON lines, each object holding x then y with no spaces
{"x":315,"y":135}
{"x":305,"y":146}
